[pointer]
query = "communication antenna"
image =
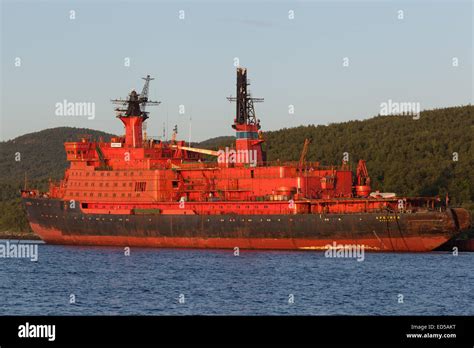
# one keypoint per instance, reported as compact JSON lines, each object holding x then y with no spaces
{"x":245,"y":110}
{"x":136,"y":103}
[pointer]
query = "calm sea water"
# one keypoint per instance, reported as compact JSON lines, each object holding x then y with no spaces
{"x":150,"y":281}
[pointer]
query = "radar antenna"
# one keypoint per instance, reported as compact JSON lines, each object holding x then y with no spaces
{"x":245,"y":110}
{"x":136,"y":103}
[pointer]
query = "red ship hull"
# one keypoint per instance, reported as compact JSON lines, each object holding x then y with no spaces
{"x":410,"y":244}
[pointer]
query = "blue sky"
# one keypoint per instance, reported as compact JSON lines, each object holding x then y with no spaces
{"x":291,"y":61}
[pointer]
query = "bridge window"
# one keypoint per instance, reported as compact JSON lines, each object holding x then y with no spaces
{"x":140,"y":186}
{"x":247,"y":135}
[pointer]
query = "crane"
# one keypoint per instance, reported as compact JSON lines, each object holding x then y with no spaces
{"x":144,"y":93}
{"x":304,"y":152}
{"x":362,"y":174}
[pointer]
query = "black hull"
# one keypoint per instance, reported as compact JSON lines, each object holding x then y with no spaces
{"x":376,"y":231}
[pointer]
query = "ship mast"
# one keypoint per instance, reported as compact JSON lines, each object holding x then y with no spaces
{"x":132,"y":113}
{"x":144,"y":96}
{"x":246,"y":124}
{"x":245,"y":110}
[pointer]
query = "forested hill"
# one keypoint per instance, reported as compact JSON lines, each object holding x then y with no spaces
{"x":406,"y":156}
